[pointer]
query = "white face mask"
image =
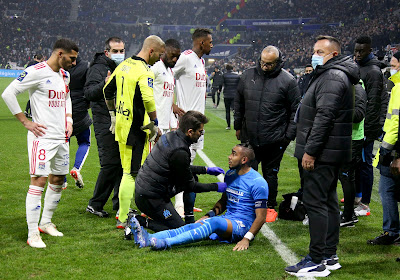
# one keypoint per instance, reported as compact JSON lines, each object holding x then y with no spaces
{"x":393,"y":71}
{"x":118,"y":57}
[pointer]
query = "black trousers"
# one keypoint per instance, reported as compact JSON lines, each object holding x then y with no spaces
{"x":218,"y":91}
{"x":161,"y":211}
{"x":228,"y":104}
{"x":110,"y":174}
{"x":270,"y":157}
{"x":349,"y":175}
{"x":320,"y":200}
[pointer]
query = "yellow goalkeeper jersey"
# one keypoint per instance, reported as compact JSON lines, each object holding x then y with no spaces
{"x":131,"y":85}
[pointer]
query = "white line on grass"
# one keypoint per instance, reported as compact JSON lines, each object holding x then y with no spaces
{"x":286,"y":254}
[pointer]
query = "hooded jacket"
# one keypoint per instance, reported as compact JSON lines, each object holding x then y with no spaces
{"x":267,"y":102}
{"x":325,"y":115}
{"x":372,"y":77}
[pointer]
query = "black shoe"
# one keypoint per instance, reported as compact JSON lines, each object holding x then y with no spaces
{"x":189,"y":219}
{"x":384,"y":239}
{"x":101,"y":214}
{"x":346,"y":223}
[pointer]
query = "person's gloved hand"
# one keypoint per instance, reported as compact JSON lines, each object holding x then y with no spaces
{"x":113,"y":119}
{"x":221,"y":186}
{"x":215,"y":171}
{"x":153,"y":130}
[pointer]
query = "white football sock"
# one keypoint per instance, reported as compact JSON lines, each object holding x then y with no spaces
{"x":179,"y":200}
{"x":51,"y":200}
{"x":33,"y":206}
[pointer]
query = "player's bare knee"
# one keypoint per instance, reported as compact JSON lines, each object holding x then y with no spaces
{"x":56,"y":179}
{"x":38,"y":181}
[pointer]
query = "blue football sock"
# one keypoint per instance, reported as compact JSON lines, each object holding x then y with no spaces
{"x":174,"y":232}
{"x":213,"y":225}
{"x":83,"y":139}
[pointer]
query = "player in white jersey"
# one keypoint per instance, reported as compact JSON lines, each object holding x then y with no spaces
{"x":48,"y":133}
{"x":191,"y":83}
{"x":163,"y":87}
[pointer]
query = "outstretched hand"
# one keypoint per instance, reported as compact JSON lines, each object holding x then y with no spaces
{"x":215,"y":171}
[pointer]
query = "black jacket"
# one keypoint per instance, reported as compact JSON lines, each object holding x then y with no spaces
{"x":167,"y":170}
{"x":325,"y":115}
{"x":267,"y":103}
{"x":372,"y":77}
{"x":95,"y":81}
{"x":360,"y":103}
{"x":218,"y":80}
{"x":80,"y":104}
{"x":231,"y":81}
{"x":303,"y":83}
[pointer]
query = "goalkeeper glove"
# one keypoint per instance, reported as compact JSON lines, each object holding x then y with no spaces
{"x":113,"y":119}
{"x":153,"y":130}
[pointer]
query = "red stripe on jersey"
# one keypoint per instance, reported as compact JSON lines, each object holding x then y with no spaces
{"x":39,"y":65}
{"x":33,"y":157}
{"x":187,"y":52}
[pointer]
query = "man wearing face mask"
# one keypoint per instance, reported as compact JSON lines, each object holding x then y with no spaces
{"x":110,"y":173}
{"x":387,"y":161}
{"x":267,"y":98}
{"x":164,"y":84}
{"x":323,"y":144}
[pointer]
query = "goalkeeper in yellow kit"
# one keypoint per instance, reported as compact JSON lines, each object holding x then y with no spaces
{"x":129,"y":96}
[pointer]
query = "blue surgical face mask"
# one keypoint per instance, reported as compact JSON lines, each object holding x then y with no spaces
{"x":118,"y":57}
{"x":317,"y":60}
{"x":393,"y":71}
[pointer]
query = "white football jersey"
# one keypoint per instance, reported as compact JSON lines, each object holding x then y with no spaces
{"x":49,"y":97}
{"x":163,"y":90}
{"x":191,"y":82}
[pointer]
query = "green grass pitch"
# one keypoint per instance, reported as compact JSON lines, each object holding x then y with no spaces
{"x":92,"y":248}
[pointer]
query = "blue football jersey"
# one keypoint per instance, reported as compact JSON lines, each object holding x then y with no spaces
{"x":242,"y":192}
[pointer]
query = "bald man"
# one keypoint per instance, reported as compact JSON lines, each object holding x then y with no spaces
{"x":135,"y":114}
{"x":266,"y":102}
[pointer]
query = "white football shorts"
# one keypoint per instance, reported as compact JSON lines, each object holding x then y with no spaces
{"x":46,"y":157}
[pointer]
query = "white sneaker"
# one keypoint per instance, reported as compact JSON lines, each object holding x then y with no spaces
{"x":180,"y":211}
{"x":50,"y":229}
{"x":362,"y":210}
{"x":77,"y":177}
{"x":35,"y":241}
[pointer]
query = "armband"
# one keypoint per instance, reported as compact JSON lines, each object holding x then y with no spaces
{"x":262,"y":203}
{"x":210,"y":213}
{"x":69,"y":119}
{"x":249,"y":235}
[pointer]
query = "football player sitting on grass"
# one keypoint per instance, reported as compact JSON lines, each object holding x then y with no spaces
{"x":245,"y":202}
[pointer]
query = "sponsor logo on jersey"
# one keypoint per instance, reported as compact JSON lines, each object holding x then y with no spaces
{"x":195,"y":66}
{"x":48,"y":82}
{"x":42,"y":165}
{"x":167,"y":213}
{"x":22,"y":76}
{"x":150,"y":82}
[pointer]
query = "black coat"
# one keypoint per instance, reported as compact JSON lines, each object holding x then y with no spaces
{"x":267,"y":103}
{"x":167,"y":170}
{"x":218,"y":80}
{"x":231,"y":81}
{"x":95,"y":81}
{"x":325,"y":115}
{"x":372,"y":77}
{"x":80,"y":104}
